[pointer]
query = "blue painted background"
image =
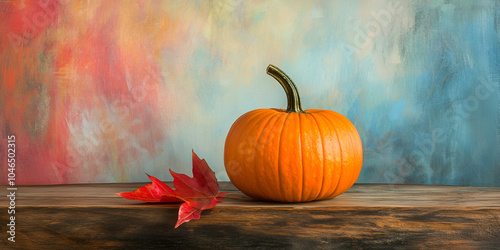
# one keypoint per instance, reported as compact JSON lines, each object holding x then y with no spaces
{"x":431,"y":115}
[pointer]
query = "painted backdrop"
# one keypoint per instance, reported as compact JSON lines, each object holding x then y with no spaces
{"x":104,"y":91}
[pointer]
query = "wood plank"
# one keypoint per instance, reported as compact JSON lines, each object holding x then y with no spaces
{"x":360,"y":195}
{"x":366,"y":216}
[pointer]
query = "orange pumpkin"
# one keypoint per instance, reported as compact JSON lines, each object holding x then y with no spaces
{"x":292,"y":155}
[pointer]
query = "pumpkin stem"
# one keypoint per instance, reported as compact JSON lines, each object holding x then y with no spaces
{"x":292,"y":95}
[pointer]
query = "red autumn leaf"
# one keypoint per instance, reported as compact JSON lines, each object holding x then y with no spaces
{"x":199,"y":192}
{"x":192,"y":209}
{"x":202,"y":185}
{"x":153,"y":192}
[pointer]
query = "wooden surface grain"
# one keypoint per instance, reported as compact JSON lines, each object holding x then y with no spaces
{"x":366,"y":216}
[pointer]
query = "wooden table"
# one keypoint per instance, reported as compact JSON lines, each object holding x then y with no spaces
{"x":366,"y":216}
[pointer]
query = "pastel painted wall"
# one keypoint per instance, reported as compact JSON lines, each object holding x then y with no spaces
{"x":104,"y":91}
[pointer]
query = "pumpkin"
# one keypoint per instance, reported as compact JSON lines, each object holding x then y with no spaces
{"x":292,"y":155}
